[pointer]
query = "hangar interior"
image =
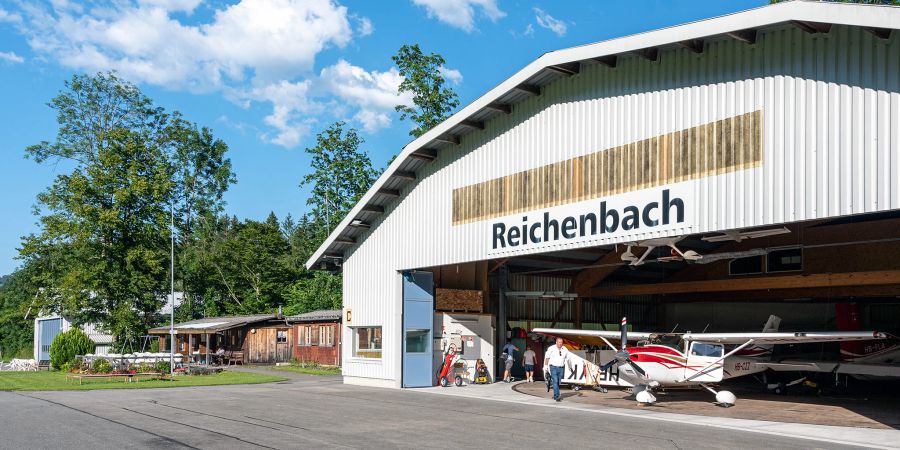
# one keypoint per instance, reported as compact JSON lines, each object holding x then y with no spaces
{"x":836,"y":274}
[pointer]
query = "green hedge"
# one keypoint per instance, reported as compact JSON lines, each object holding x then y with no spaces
{"x":67,"y":345}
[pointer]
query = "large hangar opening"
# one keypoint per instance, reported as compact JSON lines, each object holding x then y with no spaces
{"x":841,"y":274}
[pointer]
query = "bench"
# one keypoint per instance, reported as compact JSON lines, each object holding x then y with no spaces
{"x":128,"y":377}
{"x":234,"y":357}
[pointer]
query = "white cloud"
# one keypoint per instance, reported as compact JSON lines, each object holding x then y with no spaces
{"x":364,"y":26}
{"x":452,"y":75}
{"x":376,"y":93}
{"x":254,"y":51}
{"x":549,"y":22}
{"x":8,"y":17}
{"x":11,"y":57}
{"x":461,"y":13}
{"x":186,"y":6}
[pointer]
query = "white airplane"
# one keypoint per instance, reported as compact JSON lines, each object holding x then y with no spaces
{"x":691,"y":255}
{"x":688,"y":359}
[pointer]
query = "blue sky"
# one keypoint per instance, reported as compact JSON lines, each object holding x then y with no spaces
{"x":267,"y":75}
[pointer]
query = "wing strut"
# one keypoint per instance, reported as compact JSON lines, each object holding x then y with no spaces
{"x":703,"y":370}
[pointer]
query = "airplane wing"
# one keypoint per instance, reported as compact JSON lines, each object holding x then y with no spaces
{"x":785,"y":338}
{"x":591,"y":337}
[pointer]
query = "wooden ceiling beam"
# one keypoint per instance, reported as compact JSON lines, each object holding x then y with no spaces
{"x":650,"y":54}
{"x":473,"y":124}
{"x":566,"y":69}
{"x":389,"y":192}
{"x":812,"y":27}
{"x":450,"y":139}
{"x":424,"y":154}
{"x":529,"y":89}
{"x":406,"y":175}
{"x":694,"y":45}
{"x":608,"y":61}
{"x":880,"y":33}
{"x":373,"y":209}
{"x":502,"y":107}
{"x":745,"y":36}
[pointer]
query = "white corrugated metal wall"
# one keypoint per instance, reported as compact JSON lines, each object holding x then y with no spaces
{"x":831,"y":109}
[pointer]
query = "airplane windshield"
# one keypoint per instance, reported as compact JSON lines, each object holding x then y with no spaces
{"x":669,"y":340}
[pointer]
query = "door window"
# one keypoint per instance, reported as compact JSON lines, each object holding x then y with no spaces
{"x":708,"y":350}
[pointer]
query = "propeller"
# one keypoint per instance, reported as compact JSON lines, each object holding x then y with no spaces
{"x":622,"y":356}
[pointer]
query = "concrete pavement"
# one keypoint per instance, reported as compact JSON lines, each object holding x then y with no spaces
{"x":312,"y":411}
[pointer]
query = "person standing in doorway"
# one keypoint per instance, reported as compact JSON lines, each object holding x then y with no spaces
{"x":528,"y":359}
{"x":555,"y":362}
{"x":510,"y":350}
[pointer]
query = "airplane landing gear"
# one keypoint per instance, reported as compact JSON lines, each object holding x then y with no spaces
{"x":644,"y":395}
{"x":724,"y":399}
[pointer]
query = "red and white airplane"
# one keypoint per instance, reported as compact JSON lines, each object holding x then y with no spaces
{"x":689,"y":359}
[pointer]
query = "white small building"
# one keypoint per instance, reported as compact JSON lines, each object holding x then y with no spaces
{"x":47,"y":327}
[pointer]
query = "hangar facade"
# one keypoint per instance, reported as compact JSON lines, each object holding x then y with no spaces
{"x":763,"y":145}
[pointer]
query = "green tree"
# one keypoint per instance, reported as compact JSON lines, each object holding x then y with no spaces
{"x":341,"y":174}
{"x":102,"y":253}
{"x":67,"y":345}
{"x":16,"y":314}
{"x":319,"y":290}
{"x":433,"y":101}
{"x":243,"y":267}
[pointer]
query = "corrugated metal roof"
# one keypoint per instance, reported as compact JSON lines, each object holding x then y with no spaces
{"x":529,"y":81}
{"x":316,"y":316}
{"x":213,"y":324}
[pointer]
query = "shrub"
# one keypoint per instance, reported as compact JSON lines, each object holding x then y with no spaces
{"x":162,"y":367}
{"x":67,"y":345}
{"x":101,"y":366}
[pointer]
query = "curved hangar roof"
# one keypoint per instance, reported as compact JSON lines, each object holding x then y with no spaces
{"x":812,"y":17}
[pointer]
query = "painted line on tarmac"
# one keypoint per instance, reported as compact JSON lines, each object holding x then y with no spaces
{"x":165,"y":438}
{"x":655,"y":416}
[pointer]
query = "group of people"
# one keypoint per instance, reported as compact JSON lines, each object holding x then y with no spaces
{"x":554,"y":363}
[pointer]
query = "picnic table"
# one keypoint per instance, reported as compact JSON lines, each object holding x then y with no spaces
{"x":128,"y":377}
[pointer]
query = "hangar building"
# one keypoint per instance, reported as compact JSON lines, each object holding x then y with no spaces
{"x":763,"y":145}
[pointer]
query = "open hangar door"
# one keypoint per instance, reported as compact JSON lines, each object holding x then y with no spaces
{"x":838,"y":274}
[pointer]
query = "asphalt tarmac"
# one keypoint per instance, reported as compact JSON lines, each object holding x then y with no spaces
{"x":320,"y":412}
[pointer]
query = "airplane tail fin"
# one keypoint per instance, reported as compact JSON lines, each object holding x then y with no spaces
{"x":759,"y":350}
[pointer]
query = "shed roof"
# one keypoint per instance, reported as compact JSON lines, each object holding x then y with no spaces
{"x":215,"y":324}
{"x":317,"y":316}
{"x":812,"y":17}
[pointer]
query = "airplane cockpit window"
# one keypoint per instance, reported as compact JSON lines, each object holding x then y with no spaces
{"x":670,"y":340}
{"x":704,"y":349}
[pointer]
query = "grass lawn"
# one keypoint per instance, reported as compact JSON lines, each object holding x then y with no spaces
{"x":320,"y":370}
{"x":56,"y":381}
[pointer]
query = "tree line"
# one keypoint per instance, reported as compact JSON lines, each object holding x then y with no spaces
{"x":136,"y":174}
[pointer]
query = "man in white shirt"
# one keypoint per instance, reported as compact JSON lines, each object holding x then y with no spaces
{"x":555,"y":361}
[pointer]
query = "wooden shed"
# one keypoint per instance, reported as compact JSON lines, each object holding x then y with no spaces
{"x":318,"y":337}
{"x":253,"y":339}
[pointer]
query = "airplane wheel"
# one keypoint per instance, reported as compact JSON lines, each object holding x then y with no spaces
{"x":603,"y":390}
{"x":445,"y":382}
{"x":576,"y":388}
{"x":458,"y":382}
{"x":725,"y":399}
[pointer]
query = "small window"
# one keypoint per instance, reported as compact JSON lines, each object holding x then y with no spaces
{"x":746,"y":266}
{"x":314,"y":335}
{"x":417,"y":340}
{"x":367,"y":342}
{"x":305,"y":339}
{"x":785,"y":260}
{"x":281,"y":336}
{"x":704,"y":349}
{"x":326,"y":336}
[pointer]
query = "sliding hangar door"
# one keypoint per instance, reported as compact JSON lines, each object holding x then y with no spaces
{"x":702,"y":184}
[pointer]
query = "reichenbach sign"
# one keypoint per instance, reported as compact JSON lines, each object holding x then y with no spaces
{"x":619,"y":216}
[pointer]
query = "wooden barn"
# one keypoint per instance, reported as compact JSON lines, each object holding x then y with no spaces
{"x":255,"y":339}
{"x":318,"y":337}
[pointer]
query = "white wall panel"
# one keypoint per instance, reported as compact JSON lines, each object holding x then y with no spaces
{"x":831,"y":142}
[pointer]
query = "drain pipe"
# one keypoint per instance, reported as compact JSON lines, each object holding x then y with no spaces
{"x":503,"y":287}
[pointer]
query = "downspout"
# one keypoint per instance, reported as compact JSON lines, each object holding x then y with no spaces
{"x":502,"y":287}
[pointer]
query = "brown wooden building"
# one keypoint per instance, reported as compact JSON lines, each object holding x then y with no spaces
{"x":318,"y":337}
{"x":255,"y":339}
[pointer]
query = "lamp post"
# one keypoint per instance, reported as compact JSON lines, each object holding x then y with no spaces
{"x":172,"y":292}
